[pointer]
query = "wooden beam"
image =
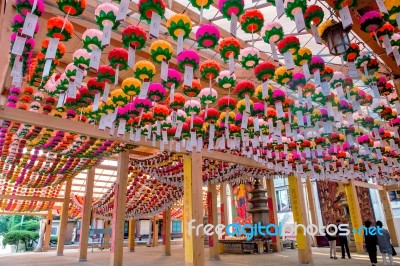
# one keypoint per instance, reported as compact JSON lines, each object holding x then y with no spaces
{"x":393,"y":188}
{"x":20,"y":197}
{"x":64,"y":219}
{"x":311,"y":204}
{"x":387,"y":210}
{"x":6,"y":31}
{"x":47,"y":233}
{"x":86,"y":216}
{"x":213,"y":219}
{"x":107,"y":224}
{"x":358,"y":183}
{"x":131,"y":235}
{"x":46,"y":121}
{"x":117,"y":245}
{"x":273,"y":214}
{"x":355,"y":213}
{"x":167,"y":221}
{"x":223,"y":199}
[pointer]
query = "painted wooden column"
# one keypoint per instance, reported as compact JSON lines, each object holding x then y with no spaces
{"x":131,"y":235}
{"x":64,"y":219}
{"x":300,"y":217}
{"x":387,"y":210}
{"x":86,"y":215}
{"x":106,"y":241}
{"x":273,"y":215}
{"x":117,"y":244}
{"x":167,"y":240}
{"x":355,"y":213}
{"x":7,"y":12}
{"x":223,"y":205}
{"x":213,"y":219}
{"x":311,"y":204}
{"x":47,"y":233}
{"x":193,"y":209}
{"x":155,"y":231}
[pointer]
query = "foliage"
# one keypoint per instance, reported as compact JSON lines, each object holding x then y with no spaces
{"x":31,"y":225}
{"x":53,"y":239}
{"x":9,"y":221}
{"x":14,"y":237}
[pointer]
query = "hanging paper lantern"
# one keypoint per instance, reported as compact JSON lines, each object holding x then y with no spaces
{"x":131,"y":86}
{"x":118,"y":58}
{"x":144,"y":69}
{"x":211,"y":115}
{"x":314,"y":15}
{"x":134,"y":36}
{"x":147,"y":7}
{"x":60,"y":48}
{"x":289,"y":43}
{"x":337,"y":79}
{"x":179,"y":24}
{"x":298,"y":81}
{"x":309,"y":88}
{"x":265,"y":70}
{"x":156,"y":92}
{"x":226,"y":80}
{"x":161,"y":50}
{"x":259,"y":109}
{"x":245,"y":88}
{"x":160,"y":112}
{"x":91,"y":38}
{"x":141,"y":105}
{"x":199,"y":4}
{"x":371,"y":21}
{"x":302,"y":57}
{"x":56,"y":29}
{"x":395,"y":41}
{"x":259,"y":92}
{"x":209,"y":69}
{"x":226,"y":103}
{"x":277,"y":96}
{"x":272,"y":32}
{"x":174,"y":78}
{"x":188,"y":58}
{"x":282,"y":75}
{"x":194,"y":90}
{"x":352,"y":52}
{"x":105,"y":14}
{"x":393,"y":8}
{"x":81,"y":57}
{"x":327,"y":74}
{"x":339,"y":4}
{"x":207,"y":96}
{"x":249,"y":57}
{"x":294,"y":6}
{"x":17,"y":23}
{"x":118,"y":97}
{"x":25,"y":6}
{"x":229,"y":46}
{"x":241,"y":106}
{"x":179,"y":101}
{"x":95,"y":86}
{"x":252,"y":21}
{"x":72,"y":7}
{"x":229,"y":7}
{"x":192,"y":107}
{"x":207,"y":36}
{"x":317,"y":63}
{"x":106,"y":74}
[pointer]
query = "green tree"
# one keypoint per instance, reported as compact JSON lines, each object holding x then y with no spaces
{"x":31,"y":225}
{"x":15,"y":237}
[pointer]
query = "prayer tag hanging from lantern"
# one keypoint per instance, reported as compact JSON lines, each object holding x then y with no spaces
{"x":336,"y":38}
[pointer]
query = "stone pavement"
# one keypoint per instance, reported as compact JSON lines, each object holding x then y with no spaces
{"x":145,"y":256}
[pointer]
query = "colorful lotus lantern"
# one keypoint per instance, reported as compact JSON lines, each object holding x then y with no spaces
{"x":91,"y":38}
{"x":81,"y":57}
{"x":161,"y":50}
{"x":193,"y":90}
{"x":386,"y":30}
{"x":207,"y":36}
{"x":229,"y":46}
{"x":264,"y":71}
{"x":272,"y":32}
{"x":327,"y":74}
{"x":251,"y":21}
{"x":106,"y":14}
{"x":241,"y":106}
{"x":371,"y":21}
{"x":226,"y":80}
{"x":60,"y":28}
{"x":259,"y":92}
{"x":207,"y":96}
{"x":156,"y":92}
{"x":131,"y":86}
{"x":298,"y":82}
{"x":282,"y":75}
{"x":17,"y":24}
{"x":119,"y":98}
{"x":316,"y":63}
{"x":230,"y":7}
{"x":393,"y":8}
{"x":179,"y":101}
{"x":134,"y":36}
{"x":179,"y":24}
{"x":352,"y":52}
{"x":141,"y":106}
{"x":188,"y":58}
{"x":147,"y":7}
{"x":60,"y":48}
{"x":192,"y":107}
{"x":245,"y":88}
{"x":209,"y":69}
{"x":144,"y":70}
{"x":160,"y":112}
{"x":302,"y":57}
{"x":289,"y":43}
{"x":249,"y":57}
{"x":106,"y":74}
{"x":25,"y":6}
{"x":174,"y":77}
{"x":294,"y":6}
{"x":314,"y":15}
{"x":226,"y":103}
{"x":72,"y":7}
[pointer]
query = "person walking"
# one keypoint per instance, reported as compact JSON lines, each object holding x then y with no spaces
{"x":385,"y":246}
{"x":331,"y":235}
{"x":370,"y":243}
{"x":343,"y":241}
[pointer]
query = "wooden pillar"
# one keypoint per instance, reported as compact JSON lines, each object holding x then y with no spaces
{"x":47,"y":234}
{"x":131,"y":235}
{"x":117,"y":245}
{"x":86,"y":216}
{"x":300,"y":217}
{"x":387,"y":210}
{"x":355,"y":213}
{"x":396,"y":83}
{"x":106,"y":240}
{"x":155,"y":231}
{"x":167,"y":222}
{"x":311,"y":204}
{"x":7,"y":12}
{"x":213,"y":219}
{"x":193,"y":209}
{"x":273,"y":215}
{"x":223,"y":205}
{"x":64,"y":219}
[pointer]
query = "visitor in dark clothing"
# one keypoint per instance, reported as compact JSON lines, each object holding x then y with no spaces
{"x":370,"y":243}
{"x":343,"y":241}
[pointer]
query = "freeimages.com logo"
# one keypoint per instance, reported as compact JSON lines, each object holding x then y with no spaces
{"x":252,"y":230}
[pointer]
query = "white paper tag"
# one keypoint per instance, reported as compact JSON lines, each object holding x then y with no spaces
{"x":352,"y":69}
{"x":306,"y":72}
{"x":138,"y":133}
{"x":231,"y":64}
{"x":247,"y":101}
{"x":317,"y":77}
{"x":325,"y":88}
{"x":52,"y":48}
{"x":121,"y":127}
{"x":315,"y":34}
{"x":71,"y":91}
{"x":105,"y":40}
{"x":96,"y":102}
{"x":300,"y":120}
{"x":106,"y":91}
{"x":382,"y":6}
{"x":265,"y":89}
{"x":29,"y":24}
{"x":131,"y":56}
{"x":102,"y":123}
{"x":345,"y":16}
{"x":179,"y":45}
{"x":299,"y":19}
{"x":388,"y":46}
{"x":34,"y":5}
{"x":397,"y":106}
{"x":256,"y":124}
{"x":375,"y":90}
{"x":78,"y":77}
{"x":245,"y":120}
{"x":123,"y":9}
{"x":398,"y":20}
{"x":234,"y":20}
{"x":327,"y":127}
{"x":289,"y":63}
{"x":155,"y":25}
{"x":171,"y":94}
{"x":396,"y":56}
{"x":164,"y":70}
{"x":339,"y":91}
{"x":95,"y":57}
{"x":47,"y":66}
{"x":178,"y":131}
{"x":61,"y":100}
{"x":188,"y":76}
{"x":280,"y":9}
{"x":19,"y":45}
{"x":144,"y":90}
{"x":274,"y":52}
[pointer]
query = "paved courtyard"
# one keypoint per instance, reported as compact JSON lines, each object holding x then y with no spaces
{"x":145,"y":256}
